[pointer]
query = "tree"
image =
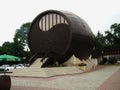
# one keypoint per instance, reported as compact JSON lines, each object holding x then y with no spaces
{"x":1,"y":50}
{"x":20,"y":41}
{"x":21,"y":34}
{"x":113,"y":36}
{"x":12,"y":48}
{"x":110,"y":40}
{"x":99,"y":41}
{"x":17,"y":47}
{"x":7,"y":48}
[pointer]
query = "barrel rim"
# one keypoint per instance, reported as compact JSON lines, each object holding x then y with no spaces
{"x":44,"y":13}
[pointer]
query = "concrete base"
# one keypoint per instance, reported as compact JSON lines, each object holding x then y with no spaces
{"x":44,"y":72}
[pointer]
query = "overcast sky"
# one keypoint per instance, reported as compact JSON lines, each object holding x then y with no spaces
{"x":99,"y":14}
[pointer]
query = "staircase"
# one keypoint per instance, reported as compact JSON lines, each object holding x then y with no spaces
{"x":36,"y":63}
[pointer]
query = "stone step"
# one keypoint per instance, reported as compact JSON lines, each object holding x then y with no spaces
{"x":37,"y":63}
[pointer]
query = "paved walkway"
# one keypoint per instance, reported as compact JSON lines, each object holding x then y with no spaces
{"x":112,"y":83}
{"x":105,"y":78}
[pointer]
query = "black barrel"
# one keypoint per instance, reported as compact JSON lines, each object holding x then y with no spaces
{"x":60,"y":34}
{"x":5,"y":82}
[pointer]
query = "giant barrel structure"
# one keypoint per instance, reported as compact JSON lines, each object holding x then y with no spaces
{"x":60,"y":34}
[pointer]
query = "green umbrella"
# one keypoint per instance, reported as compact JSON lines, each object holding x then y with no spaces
{"x":6,"y":57}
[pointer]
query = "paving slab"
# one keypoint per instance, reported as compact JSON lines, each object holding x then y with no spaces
{"x":112,"y":83}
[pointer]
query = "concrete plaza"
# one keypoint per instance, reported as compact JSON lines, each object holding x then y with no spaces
{"x":101,"y":78}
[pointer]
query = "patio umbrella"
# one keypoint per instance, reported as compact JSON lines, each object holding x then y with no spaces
{"x":6,"y":57}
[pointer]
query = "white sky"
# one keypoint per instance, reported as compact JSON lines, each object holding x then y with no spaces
{"x":99,"y":14}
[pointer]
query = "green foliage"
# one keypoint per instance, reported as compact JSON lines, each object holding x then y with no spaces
{"x":17,"y":47}
{"x":100,"y":41}
{"x":20,"y":40}
{"x":12,"y":48}
{"x":110,"y":40}
{"x":1,"y":50}
{"x":21,"y":34}
{"x":7,"y":48}
{"x":113,"y":36}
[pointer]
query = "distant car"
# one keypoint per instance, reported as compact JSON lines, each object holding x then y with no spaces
{"x":18,"y":66}
{"x":6,"y":68}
